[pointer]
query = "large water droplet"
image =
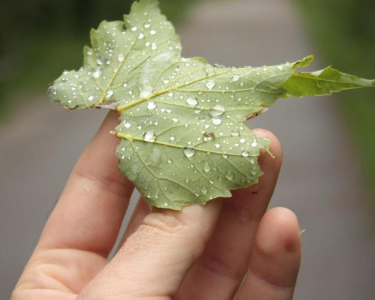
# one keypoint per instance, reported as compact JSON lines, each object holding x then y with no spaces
{"x":210,"y":84}
{"x":151,"y":105}
{"x":229,"y":175}
{"x":207,"y":167}
{"x":189,"y":152}
{"x":192,"y":101}
{"x":150,"y":136}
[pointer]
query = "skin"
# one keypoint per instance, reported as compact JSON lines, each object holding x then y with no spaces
{"x":230,"y":247}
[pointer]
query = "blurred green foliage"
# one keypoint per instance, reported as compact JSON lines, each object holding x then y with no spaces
{"x":41,"y":38}
{"x":345,"y":34}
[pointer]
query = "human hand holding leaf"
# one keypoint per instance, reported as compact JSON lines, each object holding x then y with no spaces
{"x":182,"y":131}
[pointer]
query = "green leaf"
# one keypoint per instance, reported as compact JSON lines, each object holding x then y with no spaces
{"x":182,"y":135}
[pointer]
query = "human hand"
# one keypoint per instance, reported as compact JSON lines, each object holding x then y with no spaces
{"x":199,"y":253}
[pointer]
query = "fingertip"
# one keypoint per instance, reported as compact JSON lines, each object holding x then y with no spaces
{"x":275,"y":149}
{"x":277,"y":248}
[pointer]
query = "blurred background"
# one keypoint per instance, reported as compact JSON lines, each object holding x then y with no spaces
{"x":328,"y":177}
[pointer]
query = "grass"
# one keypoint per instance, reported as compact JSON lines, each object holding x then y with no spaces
{"x":344,"y":32}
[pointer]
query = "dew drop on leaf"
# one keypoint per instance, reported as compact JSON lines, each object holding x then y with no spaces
{"x":189,"y":152}
{"x":150,"y":136}
{"x":229,"y":175}
{"x":207,"y":167}
{"x":192,"y":101}
{"x":204,"y":189}
{"x":210,"y":84}
{"x":151,"y":105}
{"x":208,"y":136}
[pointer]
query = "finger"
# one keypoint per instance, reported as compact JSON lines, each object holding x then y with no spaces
{"x":220,"y":270}
{"x":89,"y":213}
{"x":155,"y":259}
{"x":275,"y":258}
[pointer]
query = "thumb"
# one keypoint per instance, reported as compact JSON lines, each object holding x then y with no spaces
{"x":155,"y":259}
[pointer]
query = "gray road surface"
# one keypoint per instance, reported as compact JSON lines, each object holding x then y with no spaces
{"x":320,"y":179}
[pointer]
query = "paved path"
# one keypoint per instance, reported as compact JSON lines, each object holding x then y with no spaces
{"x":320,"y":179}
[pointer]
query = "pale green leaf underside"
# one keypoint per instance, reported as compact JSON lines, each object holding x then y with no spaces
{"x":183,"y":138}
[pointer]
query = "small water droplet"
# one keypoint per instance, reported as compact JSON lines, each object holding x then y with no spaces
{"x":109,"y":93}
{"x":217,"y":111}
{"x":147,"y":25}
{"x":208,"y":136}
{"x":254,"y":144}
{"x":216,"y":121}
{"x":210,"y":84}
{"x":204,"y":189}
{"x":175,"y":120}
{"x":97,"y":73}
{"x":245,"y":153}
{"x":189,"y":152}
{"x":151,"y":105}
{"x":236,"y":77}
{"x":242,"y":141}
{"x":192,"y":101}
{"x":141,"y":36}
{"x":169,"y":161}
{"x":120,"y":57}
{"x":217,"y":146}
{"x":134,"y":28}
{"x":235,"y":132}
{"x":172,"y":138}
{"x":127,"y":125}
{"x":280,"y":68}
{"x":150,"y":136}
{"x":90,"y":98}
{"x":152,"y":32}
{"x":165,"y":204}
{"x":229,"y":175}
{"x":207,"y":167}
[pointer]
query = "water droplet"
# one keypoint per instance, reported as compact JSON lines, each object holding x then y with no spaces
{"x":152,"y":32}
{"x":245,"y":153}
{"x":242,"y":141}
{"x":236,"y":77}
{"x":235,"y":132}
{"x":169,"y":161}
{"x":151,"y":105}
{"x":99,"y":62}
{"x":217,"y":111}
{"x":165,"y":204}
{"x":210,"y":84}
{"x":280,"y":68}
{"x":172,"y":138}
{"x":127,"y":125}
{"x":207,"y":167}
{"x":254,"y":144}
{"x":150,"y":136}
{"x":216,"y":121}
{"x":204,"y":190}
{"x":208,"y":136}
{"x":90,"y":98}
{"x":97,"y":73}
{"x":189,"y":152}
{"x":217,"y":146}
{"x":134,"y":28}
{"x":229,"y":175}
{"x":120,"y":57}
{"x":200,"y":92}
{"x":141,"y":36}
{"x":192,"y":101}
{"x":147,"y":25}
{"x":175,"y":120}
{"x":109,"y":93}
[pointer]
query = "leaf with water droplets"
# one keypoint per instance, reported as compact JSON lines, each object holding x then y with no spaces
{"x":182,"y":135}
